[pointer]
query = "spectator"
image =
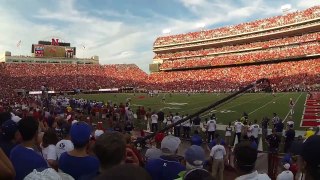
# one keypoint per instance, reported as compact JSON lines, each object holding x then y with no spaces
{"x":186,"y":128}
{"x":279,"y":128}
{"x":196,"y":139}
{"x":175,"y":119}
{"x":48,"y":147}
{"x":214,"y":142}
{"x":255,"y":129}
{"x":273,"y":141}
{"x":64,"y":145}
{"x":168,"y":166}
{"x":125,"y":172}
{"x":310,"y":157}
{"x":238,"y":129}
{"x":289,"y":138}
{"x":244,"y":160}
{"x":264,"y":126}
{"x":275,"y":120}
{"x":6,"y":167}
{"x":23,"y":156}
{"x":10,"y":136}
{"x":77,"y":162}
{"x":195,"y":158}
{"x":218,"y":154}
{"x":228,"y":134}
{"x":110,"y":148}
{"x":211,"y":128}
{"x":154,"y":152}
{"x":154,"y":122}
{"x":132,"y":155}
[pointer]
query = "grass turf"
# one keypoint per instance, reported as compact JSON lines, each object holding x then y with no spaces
{"x":257,"y":105}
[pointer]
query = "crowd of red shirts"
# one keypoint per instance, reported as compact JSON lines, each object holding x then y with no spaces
{"x":262,"y":24}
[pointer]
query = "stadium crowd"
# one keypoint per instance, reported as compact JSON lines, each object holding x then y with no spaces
{"x":248,"y":27}
{"x":244,"y":47}
{"x":284,"y":76}
{"x":68,"y":140}
{"x":269,"y":54}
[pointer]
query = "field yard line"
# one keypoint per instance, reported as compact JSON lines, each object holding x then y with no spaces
{"x":243,"y":102}
{"x":289,"y":109}
{"x":265,"y":105}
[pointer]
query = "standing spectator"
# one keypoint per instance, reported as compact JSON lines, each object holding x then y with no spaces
{"x":168,"y":166}
{"x":290,"y":122}
{"x":154,"y":122}
{"x":160,"y":116}
{"x":218,"y":154}
{"x":110,"y":149}
{"x":48,"y":147}
{"x":245,"y":157}
{"x":186,"y":128}
{"x":175,"y":119}
{"x":211,"y":128}
{"x":286,"y":174}
{"x":9,"y":136}
{"x":289,"y":138}
{"x":77,"y":162}
{"x":279,"y":129}
{"x":255,"y":129}
{"x":238,"y":129}
{"x":273,"y":141}
{"x":195,"y":158}
{"x":275,"y":119}
{"x":228,"y":134}
{"x":264,"y":126}
{"x":196,"y":123}
{"x":196,"y":139}
{"x":64,"y":145}
{"x":310,"y":157}
{"x":24,"y":157}
{"x":309,"y":132}
{"x":154,"y":152}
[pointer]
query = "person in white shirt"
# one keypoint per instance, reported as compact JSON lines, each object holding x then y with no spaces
{"x":245,"y":157}
{"x":154,"y":122}
{"x":238,"y":129}
{"x":286,"y":174}
{"x":218,"y":154}
{"x":64,"y":145}
{"x":290,"y":122}
{"x":48,"y":148}
{"x":255,"y":129}
{"x":175,"y":119}
{"x":211,"y":128}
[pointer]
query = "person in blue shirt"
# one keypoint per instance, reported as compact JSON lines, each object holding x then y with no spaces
{"x":77,"y":162}
{"x":168,"y":166}
{"x":196,"y":139}
{"x":9,"y":136}
{"x":23,"y":156}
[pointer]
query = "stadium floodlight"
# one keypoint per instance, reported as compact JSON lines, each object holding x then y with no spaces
{"x":201,"y":25}
{"x":286,"y":8}
{"x":166,"y":31}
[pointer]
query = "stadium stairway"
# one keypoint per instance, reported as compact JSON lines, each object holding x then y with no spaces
{"x":311,"y":114}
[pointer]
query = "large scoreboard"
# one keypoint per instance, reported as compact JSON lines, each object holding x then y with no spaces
{"x":53,"y":49}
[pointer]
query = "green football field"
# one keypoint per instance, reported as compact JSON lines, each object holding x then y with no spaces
{"x":256,"y":105}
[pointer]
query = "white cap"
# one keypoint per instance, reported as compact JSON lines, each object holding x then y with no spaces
{"x":170,"y":143}
{"x":98,"y":133}
{"x":74,"y":121}
{"x":15,"y":118}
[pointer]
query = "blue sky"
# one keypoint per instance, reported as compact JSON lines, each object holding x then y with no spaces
{"x":120,"y":31}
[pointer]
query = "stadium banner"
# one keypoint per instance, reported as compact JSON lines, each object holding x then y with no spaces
{"x":109,"y":90}
{"x":40,"y":92}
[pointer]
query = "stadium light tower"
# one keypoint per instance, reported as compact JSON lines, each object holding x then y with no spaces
{"x":166,"y":31}
{"x":286,"y":8}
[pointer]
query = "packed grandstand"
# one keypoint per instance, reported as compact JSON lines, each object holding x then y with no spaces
{"x":71,"y":133}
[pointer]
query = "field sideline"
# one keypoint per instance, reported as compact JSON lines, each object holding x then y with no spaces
{"x":257,"y":105}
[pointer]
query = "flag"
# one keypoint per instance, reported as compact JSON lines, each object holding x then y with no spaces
{"x":19,"y":43}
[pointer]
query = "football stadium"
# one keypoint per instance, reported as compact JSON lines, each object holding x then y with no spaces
{"x":232,"y":102}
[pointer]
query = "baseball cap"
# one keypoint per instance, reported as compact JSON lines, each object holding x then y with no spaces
{"x":195,"y":155}
{"x":170,"y":144}
{"x":9,"y":128}
{"x":80,"y":133}
{"x":159,"y":137}
{"x":98,"y":133}
{"x":15,"y":118}
{"x":310,"y":151}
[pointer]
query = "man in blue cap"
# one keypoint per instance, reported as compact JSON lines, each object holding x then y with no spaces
{"x":9,"y":136}
{"x":78,"y":163}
